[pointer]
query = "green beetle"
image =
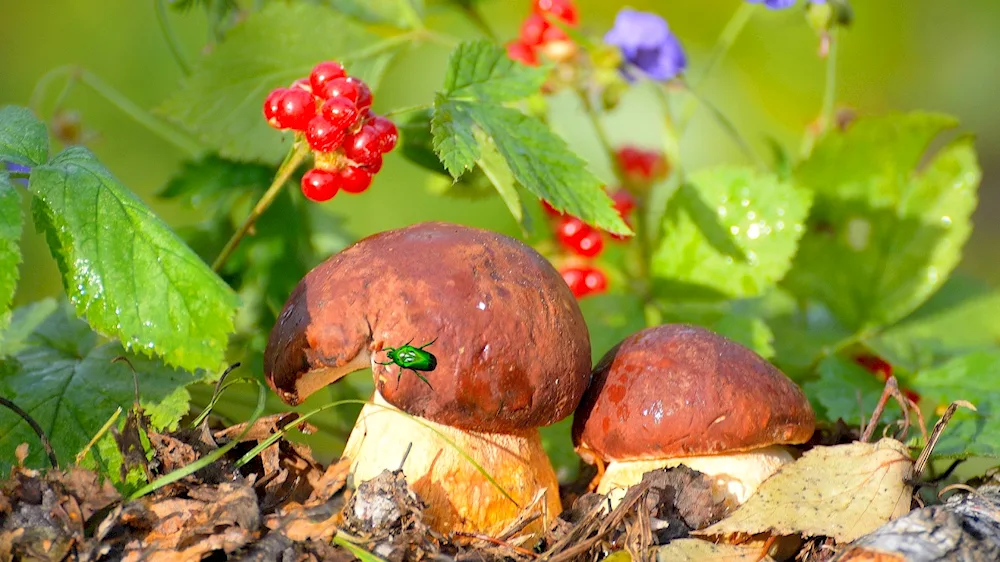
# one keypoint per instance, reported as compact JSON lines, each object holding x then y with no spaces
{"x":415,"y":359}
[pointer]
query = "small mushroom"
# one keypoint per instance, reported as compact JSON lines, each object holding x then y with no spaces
{"x":680,"y":394}
{"x":512,"y":354}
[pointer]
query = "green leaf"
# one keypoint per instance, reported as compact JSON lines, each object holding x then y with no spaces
{"x":24,"y":320}
{"x":494,"y":167}
{"x":844,"y":390}
{"x":972,"y":377}
{"x":750,"y":331}
{"x":222,"y":99}
{"x":416,"y":142}
{"x":10,"y":248}
{"x":960,"y":318}
{"x":70,"y":386}
{"x":125,"y":270}
{"x":883,"y":236}
{"x":212,"y":176}
{"x":731,"y":232}
{"x":481,"y":71}
{"x":406,"y":14}
{"x":24,"y":139}
{"x":480,"y":78}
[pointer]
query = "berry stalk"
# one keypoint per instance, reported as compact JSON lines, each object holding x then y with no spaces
{"x":295,"y":158}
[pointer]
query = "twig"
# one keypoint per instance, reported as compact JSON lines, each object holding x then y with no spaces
{"x":288,"y":167}
{"x":497,"y":542}
{"x":100,"y":433}
{"x":891,"y":389}
{"x":925,"y":455}
{"x":37,"y":428}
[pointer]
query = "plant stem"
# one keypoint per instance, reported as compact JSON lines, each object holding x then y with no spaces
{"x":408,"y":109}
{"x":285,"y":171}
{"x":731,"y":131}
{"x":18,"y":175}
{"x":830,"y":89}
{"x":171,"y":37}
{"x":141,"y":116}
{"x":725,"y":41}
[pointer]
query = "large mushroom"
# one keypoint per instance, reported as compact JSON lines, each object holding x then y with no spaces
{"x":680,"y":394}
{"x":512,"y":354}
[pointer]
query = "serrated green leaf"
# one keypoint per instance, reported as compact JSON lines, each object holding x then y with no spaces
{"x":10,"y":245}
{"x":454,"y":136}
{"x":222,"y":99}
{"x":213,"y":176}
{"x":543,"y":164}
{"x":960,"y":318}
{"x":844,"y":390}
{"x":127,"y":273}
{"x":729,"y":231}
{"x":70,"y":386}
{"x":883,"y":236}
{"x":406,"y":14}
{"x":24,"y":139}
{"x":481,"y":71}
{"x":972,"y":377}
{"x":496,"y":170}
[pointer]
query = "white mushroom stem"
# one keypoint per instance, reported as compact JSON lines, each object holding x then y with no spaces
{"x":735,"y":477}
{"x":458,"y":496}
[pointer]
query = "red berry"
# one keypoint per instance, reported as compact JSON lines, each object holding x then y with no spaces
{"x":521,"y":52}
{"x":554,"y":34}
{"x":323,"y":135}
{"x":375,"y":167}
{"x":579,"y":237}
{"x":362,"y":147}
{"x":574,"y":277}
{"x":590,"y":244}
{"x":341,"y":112}
{"x":562,"y":9}
{"x":642,"y":165}
{"x":354,"y":179}
{"x":595,"y":281}
{"x":272,"y":103}
{"x":323,"y":73}
{"x":533,"y":29}
{"x":296,"y":108}
{"x":302,"y":84}
{"x":319,"y":185}
{"x":624,"y":202}
{"x":350,"y":88}
{"x":386,"y":133}
{"x":875,"y":365}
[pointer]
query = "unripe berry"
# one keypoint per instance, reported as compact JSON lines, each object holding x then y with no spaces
{"x":354,"y":179}
{"x":323,"y":73}
{"x":296,"y":108}
{"x":323,"y":135}
{"x":362,"y":147}
{"x":319,"y":185}
{"x":341,"y":112}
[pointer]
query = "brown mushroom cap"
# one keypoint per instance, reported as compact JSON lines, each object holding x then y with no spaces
{"x":679,"y":391}
{"x":512,"y":348}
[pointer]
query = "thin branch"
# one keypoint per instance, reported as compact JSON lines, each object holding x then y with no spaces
{"x":34,"y":426}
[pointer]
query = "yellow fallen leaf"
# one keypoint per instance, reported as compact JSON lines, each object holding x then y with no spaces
{"x":694,"y":550}
{"x":844,"y":492}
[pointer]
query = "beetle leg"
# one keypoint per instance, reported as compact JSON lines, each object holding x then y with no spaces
{"x":428,"y":343}
{"x":421,"y":377}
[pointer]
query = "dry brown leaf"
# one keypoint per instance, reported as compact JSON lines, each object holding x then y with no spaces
{"x":844,"y":492}
{"x":693,"y":550}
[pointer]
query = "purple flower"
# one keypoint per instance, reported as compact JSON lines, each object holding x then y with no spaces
{"x":12,"y":167}
{"x":647,"y":43}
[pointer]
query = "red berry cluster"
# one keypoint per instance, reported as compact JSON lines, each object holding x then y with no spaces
{"x":333,"y":112}
{"x":883,"y":370}
{"x":584,"y":243}
{"x":540,"y":36}
{"x":642,"y":166}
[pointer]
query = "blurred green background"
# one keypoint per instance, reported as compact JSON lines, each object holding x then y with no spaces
{"x":898,"y":55}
